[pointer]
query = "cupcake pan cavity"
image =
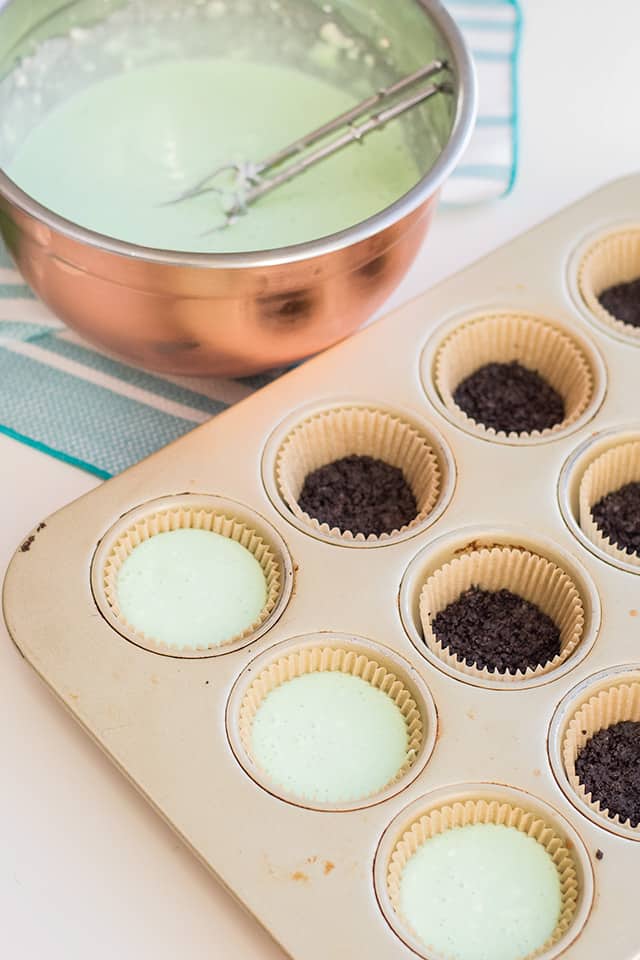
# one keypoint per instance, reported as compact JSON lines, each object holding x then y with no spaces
{"x":469,"y":804}
{"x":610,"y":697}
{"x":493,"y":559}
{"x":313,"y":438}
{"x":601,"y":464}
{"x":561,"y":355}
{"x":192,"y":512}
{"x":178,"y":722}
{"x":353,"y":656}
{"x":521,"y":572}
{"x":606,"y":259}
{"x":607,"y":474}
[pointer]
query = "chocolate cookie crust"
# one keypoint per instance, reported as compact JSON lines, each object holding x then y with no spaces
{"x":622,"y":301}
{"x":617,"y":516}
{"x":511,"y":398}
{"x":361,"y":494}
{"x":497,"y":630}
{"x":608,"y":767}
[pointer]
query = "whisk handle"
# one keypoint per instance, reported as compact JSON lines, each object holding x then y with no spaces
{"x":354,"y":132}
{"x":348,"y":117}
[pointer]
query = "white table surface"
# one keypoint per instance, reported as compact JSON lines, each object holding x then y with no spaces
{"x":86,"y":869}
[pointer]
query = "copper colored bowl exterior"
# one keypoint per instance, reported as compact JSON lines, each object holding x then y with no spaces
{"x":196,"y":321}
{"x":230,"y":314}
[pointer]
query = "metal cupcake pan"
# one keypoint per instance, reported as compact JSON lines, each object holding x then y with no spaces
{"x":314,"y":876}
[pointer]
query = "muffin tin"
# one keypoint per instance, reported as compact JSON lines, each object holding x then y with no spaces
{"x":323,"y":878}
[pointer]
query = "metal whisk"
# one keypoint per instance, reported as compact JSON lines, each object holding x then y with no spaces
{"x":249,"y":182}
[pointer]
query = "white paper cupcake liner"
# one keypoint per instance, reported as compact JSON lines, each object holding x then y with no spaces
{"x":196,"y":518}
{"x":465,"y":813}
{"x":334,"y":434}
{"x":613,"y":259}
{"x":336,"y":659}
{"x":611,"y":470}
{"x":614,"y":704}
{"x":503,"y":338}
{"x":532,"y":577}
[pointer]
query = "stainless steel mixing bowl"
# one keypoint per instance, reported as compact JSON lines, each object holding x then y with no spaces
{"x":235,"y":314}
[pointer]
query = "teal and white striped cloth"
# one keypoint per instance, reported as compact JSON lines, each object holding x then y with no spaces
{"x":488,"y":169}
{"x":62,"y":396}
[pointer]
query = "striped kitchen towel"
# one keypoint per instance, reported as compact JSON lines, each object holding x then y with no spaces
{"x":488,"y":169}
{"x":60,"y":395}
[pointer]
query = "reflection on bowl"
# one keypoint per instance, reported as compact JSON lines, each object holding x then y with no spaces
{"x":225,"y":313}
